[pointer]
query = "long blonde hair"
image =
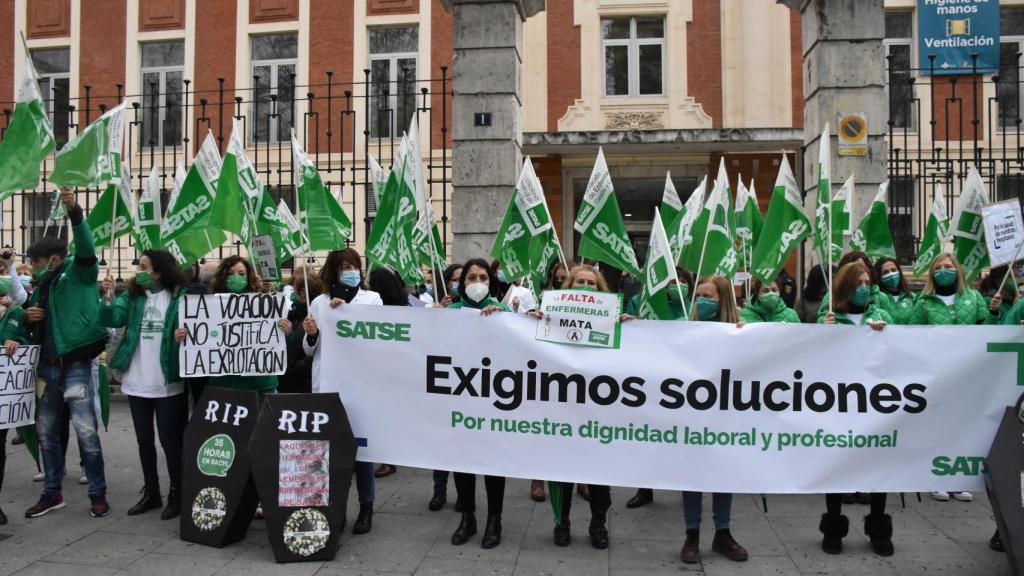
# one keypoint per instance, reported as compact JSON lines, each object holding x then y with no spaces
{"x":929,"y":283}
{"x":726,"y":302}
{"x":602,"y":284}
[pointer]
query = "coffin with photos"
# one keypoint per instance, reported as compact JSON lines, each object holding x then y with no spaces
{"x":232,"y":334}
{"x":774,"y":408}
{"x":18,"y":387}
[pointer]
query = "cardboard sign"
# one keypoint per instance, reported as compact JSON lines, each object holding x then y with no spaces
{"x":1005,"y":485}
{"x":232,"y":334}
{"x":580,"y":317}
{"x":18,"y":387}
{"x":303,"y":453}
{"x":218,"y":498}
{"x":1004,"y":231}
{"x":264,"y":256}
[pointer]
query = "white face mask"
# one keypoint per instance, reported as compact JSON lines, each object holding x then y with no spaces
{"x":477,"y":292}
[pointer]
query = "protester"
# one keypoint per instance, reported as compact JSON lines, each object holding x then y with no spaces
{"x":713,"y":304}
{"x":476,"y":293}
{"x":1000,"y":276}
{"x":343,"y":281}
{"x":815,"y":290}
{"x":787,"y":288}
{"x":518,"y":298}
{"x":61,"y":316}
{"x":12,"y":334}
{"x":452,"y":276}
{"x":391,"y":288}
{"x":298,"y":375}
{"x":499,"y":283}
{"x":767,"y":305}
{"x":891,"y":290}
{"x":853,"y":305}
{"x":147,"y":355}
{"x":678,"y":301}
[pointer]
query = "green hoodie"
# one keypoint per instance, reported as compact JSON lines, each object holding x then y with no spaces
{"x":757,"y":311}
{"x":969,"y":307}
{"x":127,"y":311}
{"x":74,"y":302}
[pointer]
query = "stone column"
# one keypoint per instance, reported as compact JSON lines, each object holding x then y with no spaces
{"x":486,"y":117}
{"x":843,"y":63}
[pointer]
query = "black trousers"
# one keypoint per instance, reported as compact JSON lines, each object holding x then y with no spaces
{"x":171,"y":415}
{"x":465,"y":487}
{"x":3,"y":456}
{"x":600,"y":500}
{"x":834,"y":503}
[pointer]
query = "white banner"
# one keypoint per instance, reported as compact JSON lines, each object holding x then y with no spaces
{"x":18,"y":387}
{"x":774,"y":408}
{"x":232,"y":334}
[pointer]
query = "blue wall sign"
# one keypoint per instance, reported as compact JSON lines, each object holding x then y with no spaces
{"x":953,"y":30}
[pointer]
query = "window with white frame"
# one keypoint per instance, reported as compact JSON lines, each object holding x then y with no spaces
{"x":394,"y":52}
{"x":163,"y":69}
{"x":274,"y":61}
{"x":634,"y":56}
{"x":53,"y":65}
{"x":899,"y":44}
{"x":1011,"y":45}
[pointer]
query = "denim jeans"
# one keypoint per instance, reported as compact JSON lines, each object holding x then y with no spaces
{"x":693,"y":507}
{"x":79,"y":391}
{"x":171,"y":416}
{"x":365,"y":482}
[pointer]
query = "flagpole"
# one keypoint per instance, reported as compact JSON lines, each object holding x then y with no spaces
{"x":433,"y":252}
{"x":1009,"y":271}
{"x":703,"y":249}
{"x":829,"y":246}
{"x":113,"y":229}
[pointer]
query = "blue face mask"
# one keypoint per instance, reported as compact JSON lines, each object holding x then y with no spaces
{"x":860,"y":295}
{"x":350,"y":278}
{"x":429,"y":288}
{"x":707,"y":309}
{"x":501,"y":277}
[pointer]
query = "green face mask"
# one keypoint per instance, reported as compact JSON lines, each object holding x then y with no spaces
{"x":944,"y":277}
{"x":674,"y":295}
{"x":585,"y":288}
{"x":41,"y":273}
{"x":860,"y":296}
{"x":891,"y":280}
{"x":295,"y":298}
{"x":236,"y":283}
{"x":770,"y":300}
{"x":5,"y":285}
{"x":707,"y":309}
{"x":144,"y":278}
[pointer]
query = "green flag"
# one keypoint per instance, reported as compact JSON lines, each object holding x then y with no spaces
{"x":378,"y":179}
{"x":94,"y":156}
{"x":748,"y":221}
{"x":111,"y":216}
{"x":935,"y":232}
{"x":390,"y":241}
{"x":785,"y":226}
{"x":712,"y":236}
{"x":526,"y":217}
{"x":671,"y":205}
{"x":602,"y":232}
{"x":147,"y":214}
{"x":681,"y":240}
{"x":544,"y":250}
{"x":190,"y":207}
{"x":28,"y":139}
{"x":324,"y":221}
{"x":842,"y":217}
{"x":659,"y":272}
{"x":236,"y":187}
{"x":968,"y":229}
{"x":287,"y":238}
{"x":823,"y":208}
{"x":427,"y":239}
{"x":872,"y":235}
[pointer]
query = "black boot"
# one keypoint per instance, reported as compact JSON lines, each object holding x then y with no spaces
{"x":562,"y":535}
{"x":364,"y":522}
{"x":598,"y":532}
{"x":835,"y":527}
{"x":150,"y":501}
{"x":995,"y":542}
{"x":492,"y":532}
{"x":878,"y":527}
{"x":643,"y":497}
{"x":439,"y":499}
{"x":173,"y":508}
{"x":466,"y":529}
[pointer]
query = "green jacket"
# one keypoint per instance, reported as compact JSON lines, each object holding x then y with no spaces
{"x":873,"y":313}
{"x":1016,"y":314}
{"x":12,"y":325}
{"x":877,"y":297}
{"x":465,"y":303}
{"x":755,"y":312}
{"x":74,"y":301}
{"x":127,"y":311}
{"x":968,"y":308}
{"x":900,"y":307}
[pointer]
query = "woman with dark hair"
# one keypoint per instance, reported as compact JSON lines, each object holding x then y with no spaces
{"x":677,"y":299}
{"x":475,"y":288}
{"x":766,"y":305}
{"x":391,"y":288}
{"x":298,"y":375}
{"x":891,"y":291}
{"x":990,"y":286}
{"x":147,"y":356}
{"x":558,"y":273}
{"x":452,"y":276}
{"x":343,"y":281}
{"x":815,"y":290}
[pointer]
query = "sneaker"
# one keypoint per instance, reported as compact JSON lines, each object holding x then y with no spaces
{"x":941,"y":496}
{"x":46,"y":503}
{"x":99,"y":507}
{"x":962,"y":496}
{"x":38,"y":477}
{"x":83,"y":480}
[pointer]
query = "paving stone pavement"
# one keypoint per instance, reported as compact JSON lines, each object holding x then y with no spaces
{"x":931,"y":538}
